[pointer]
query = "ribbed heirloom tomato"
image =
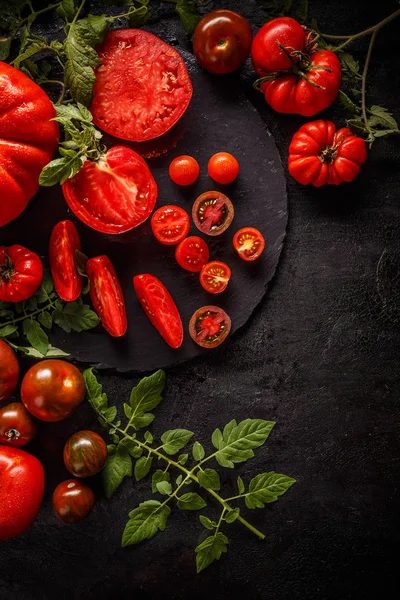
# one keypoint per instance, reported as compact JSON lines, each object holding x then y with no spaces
{"x":9,"y":371}
{"x":107,"y":296}
{"x":64,"y":242}
{"x":85,"y":453}
{"x":21,"y":273}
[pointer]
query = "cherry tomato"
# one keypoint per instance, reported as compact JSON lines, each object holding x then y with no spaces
{"x":106,"y":295}
{"x":170,"y":224}
{"x":9,"y":371}
{"x":319,"y":154}
{"x":142,"y":87}
{"x":21,"y":491}
{"x":222,"y":41}
{"x":267,"y":51}
{"x":215,"y":276}
{"x":17,"y":426}
{"x":212,"y":213}
{"x":209,"y":326}
{"x":64,"y":242}
{"x":249,"y":243}
{"x":52,"y":389}
{"x":114,"y":194}
{"x":160,"y":308}
{"x":73,"y":501}
{"x":223,"y":167}
{"x":21,"y":273}
{"x":85,"y":453}
{"x":192,"y":254}
{"x":184,"y":170}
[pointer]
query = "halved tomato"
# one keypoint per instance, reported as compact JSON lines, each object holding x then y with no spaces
{"x":170,"y":224}
{"x":142,"y":86}
{"x":248,"y":243}
{"x":192,"y":254}
{"x":209,"y":326}
{"x":215,"y":276}
{"x":106,"y":295}
{"x":64,"y":241}
{"x":114,"y":194}
{"x":212,"y":213}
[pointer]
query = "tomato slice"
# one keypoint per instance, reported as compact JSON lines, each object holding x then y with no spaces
{"x":142,"y":86}
{"x":248,"y":243}
{"x":212,"y":213}
{"x":192,"y":254}
{"x":159,"y":306}
{"x":215,"y":276}
{"x":106,"y":295}
{"x":209,"y":326}
{"x":170,"y":224}
{"x":114,"y":194}
{"x":64,"y":241}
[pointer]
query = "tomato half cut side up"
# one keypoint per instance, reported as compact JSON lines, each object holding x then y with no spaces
{"x":64,"y":241}
{"x":212,"y":213}
{"x":209,"y":326}
{"x":215,"y":276}
{"x":249,"y":243}
{"x":192,"y":254}
{"x":160,"y":308}
{"x":106,"y":295}
{"x":170,"y":224}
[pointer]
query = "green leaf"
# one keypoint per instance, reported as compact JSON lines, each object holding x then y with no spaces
{"x":76,"y":317}
{"x":59,"y":170}
{"x":350,"y":66}
{"x":45,"y":319}
{"x":217,"y":439}
{"x":142,"y":420}
{"x":117,"y":467}
{"x":191,"y":501}
{"x":109,"y":414}
{"x":175,"y":439}
{"x":207,"y":523}
{"x":188,"y":14}
{"x":302,"y":11}
{"x":147,"y":394}
{"x":381,"y":117}
{"x":142,"y":467}
{"x":198,"y":451}
{"x":164,"y":488}
{"x":348,"y":104}
{"x":66,"y":10}
{"x":148,"y":438}
{"x":238,"y":440}
{"x":5,"y":45}
{"x":93,"y":388}
{"x":8,"y":330}
{"x":382,"y":132}
{"x":209,"y":478}
{"x":31,"y":304}
{"x":159,"y":477}
{"x":144,"y":522}
{"x":36,"y":336}
{"x":134,"y":450}
{"x":32,"y":49}
{"x":183,"y":458}
{"x":127,"y":410}
{"x":52,"y":352}
{"x":211,"y":549}
{"x":179,"y":479}
{"x":357,"y":126}
{"x":45,"y":289}
{"x":232,"y":515}
{"x":266,"y":488}
{"x":240,"y":485}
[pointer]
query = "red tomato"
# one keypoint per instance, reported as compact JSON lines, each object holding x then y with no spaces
{"x":192,"y":254}
{"x":222,"y":41}
{"x":142,"y":87}
{"x":267,"y":51}
{"x":319,"y":154}
{"x":184,"y":170}
{"x":52,"y":389}
{"x":107,"y":296}
{"x":64,"y":241}
{"x":73,"y":501}
{"x":28,"y":139}
{"x":209,"y":326}
{"x":114,"y":194}
{"x":21,"y":273}
{"x":223,"y":167}
{"x":9,"y":371}
{"x":85,"y":453}
{"x":212,"y":213}
{"x":215,"y":276}
{"x":170,"y":224}
{"x":249,"y":243}
{"x":17,"y":426}
{"x":21,"y":491}
{"x":159,"y":306}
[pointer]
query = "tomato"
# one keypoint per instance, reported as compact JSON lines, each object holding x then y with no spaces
{"x":85,"y":453}
{"x":192,"y":254}
{"x":21,"y":491}
{"x":170,"y":224}
{"x":184,"y":170}
{"x":212,"y":213}
{"x":28,"y":139}
{"x":223,"y":167}
{"x":73,"y":501}
{"x":114,"y":194}
{"x":17,"y":426}
{"x":142,"y":87}
{"x":52,"y":389}
{"x":215,"y":276}
{"x":249,"y":243}
{"x":222,"y":41}
{"x":209,"y":326}
{"x":159,"y":306}
{"x":21,"y":273}
{"x":267,"y":51}
{"x":9,"y":371}
{"x":64,"y":241}
{"x":107,"y":296}
{"x":319,"y":154}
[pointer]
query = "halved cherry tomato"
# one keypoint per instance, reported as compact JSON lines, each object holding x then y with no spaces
{"x":159,"y":306}
{"x":72,"y":501}
{"x":248,"y":243}
{"x":223,"y":167}
{"x":215,"y":276}
{"x":114,"y":194}
{"x":212,"y":213}
{"x":21,"y":273}
{"x":170,"y":224}
{"x":17,"y":426}
{"x":106,"y":295}
{"x":184,"y":170}
{"x":64,"y":241}
{"x":192,"y":254}
{"x":209,"y":326}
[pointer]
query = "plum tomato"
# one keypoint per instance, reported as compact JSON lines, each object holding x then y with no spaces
{"x":9,"y":371}
{"x":85,"y":453}
{"x":192,"y":254}
{"x":64,"y":242}
{"x":215,"y":276}
{"x":209,"y":326}
{"x":170,"y":224}
{"x":21,"y":273}
{"x":222,"y":41}
{"x":52,"y":389}
{"x":184,"y":170}
{"x":223,"y":167}
{"x":72,"y":501}
{"x":212,"y":213}
{"x":248,"y":243}
{"x":17,"y":426}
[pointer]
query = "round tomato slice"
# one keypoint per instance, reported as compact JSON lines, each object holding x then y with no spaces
{"x":212,"y":213}
{"x":170,"y":224}
{"x":64,"y":241}
{"x":209,"y":326}
{"x":249,"y":243}
{"x":192,"y":254}
{"x":114,"y":194}
{"x":142,"y":86}
{"x":159,"y":306}
{"x":215,"y":276}
{"x":106,"y":295}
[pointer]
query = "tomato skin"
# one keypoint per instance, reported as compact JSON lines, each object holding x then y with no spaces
{"x":52,"y":389}
{"x":107,"y":296}
{"x":184,"y":170}
{"x":9,"y":371}
{"x":160,"y":308}
{"x":73,"y":501}
{"x":21,"y":273}
{"x":249,"y":243}
{"x":222,"y":41}
{"x":318,"y":154}
{"x":21,"y":491}
{"x":170,"y":224}
{"x":212,"y":213}
{"x":64,"y":241}
{"x":17,"y":426}
{"x":266,"y":54}
{"x":192,"y":254}
{"x":215,"y":276}
{"x":85,"y":453}
{"x":209,"y":326}
{"x":223,"y":167}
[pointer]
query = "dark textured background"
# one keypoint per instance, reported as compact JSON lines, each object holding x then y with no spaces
{"x":319,"y":356}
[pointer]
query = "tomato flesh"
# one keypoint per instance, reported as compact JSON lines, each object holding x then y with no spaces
{"x":85,"y":453}
{"x":73,"y":501}
{"x":212,"y":213}
{"x":192,"y":254}
{"x":64,"y":241}
{"x":170,"y":224}
{"x":249,"y":243}
{"x":215,"y":276}
{"x":9,"y":371}
{"x":17,"y":426}
{"x":209,"y":326}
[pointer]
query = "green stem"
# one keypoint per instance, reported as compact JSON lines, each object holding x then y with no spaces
{"x":364,"y":79}
{"x":365,"y":31}
{"x":78,"y":12}
{"x":40,"y":12}
{"x":30,"y":315}
{"x":61,"y":84}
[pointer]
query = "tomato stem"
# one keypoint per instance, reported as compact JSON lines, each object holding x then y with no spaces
{"x":50,"y":304}
{"x":78,"y":12}
{"x":355,"y":36}
{"x":364,"y":79}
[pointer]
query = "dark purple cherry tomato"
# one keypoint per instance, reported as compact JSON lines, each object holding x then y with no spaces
{"x":85,"y":453}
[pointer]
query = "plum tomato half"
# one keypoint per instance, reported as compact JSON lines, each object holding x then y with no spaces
{"x":215,"y":276}
{"x":223,"y":167}
{"x":72,"y":501}
{"x":249,"y":243}
{"x":9,"y":371}
{"x":170,"y":224}
{"x":212,"y":213}
{"x":64,"y":242}
{"x":209,"y":326}
{"x":17,"y":426}
{"x":184,"y":170}
{"x":85,"y":453}
{"x":192,"y":254}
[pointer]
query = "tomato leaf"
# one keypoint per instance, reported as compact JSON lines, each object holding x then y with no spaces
{"x":142,"y":467}
{"x":164,"y":488}
{"x":211,"y":549}
{"x":348,"y":104}
{"x":302,"y":11}
{"x":140,"y":421}
{"x":159,"y":477}
{"x":147,"y":394}
{"x":207,"y":523}
{"x":266,"y":488}
{"x":232,"y":515}
{"x":117,"y":467}
{"x":237,"y":441}
{"x":36,"y":336}
{"x":240,"y":485}
{"x":59,"y":170}
{"x":191,"y":501}
{"x":381,"y":118}
{"x":8,"y":330}
{"x":188,"y":14}
{"x":66,"y":10}
{"x":75,"y":317}
{"x":144,"y":522}
{"x":350,"y":67}
{"x":198,"y":451}
{"x":175,"y":439}
{"x":32,"y":49}
{"x":209,"y":478}
{"x":45,"y":319}
{"x":5,"y":45}
{"x":183,"y":458}
{"x":52,"y":352}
